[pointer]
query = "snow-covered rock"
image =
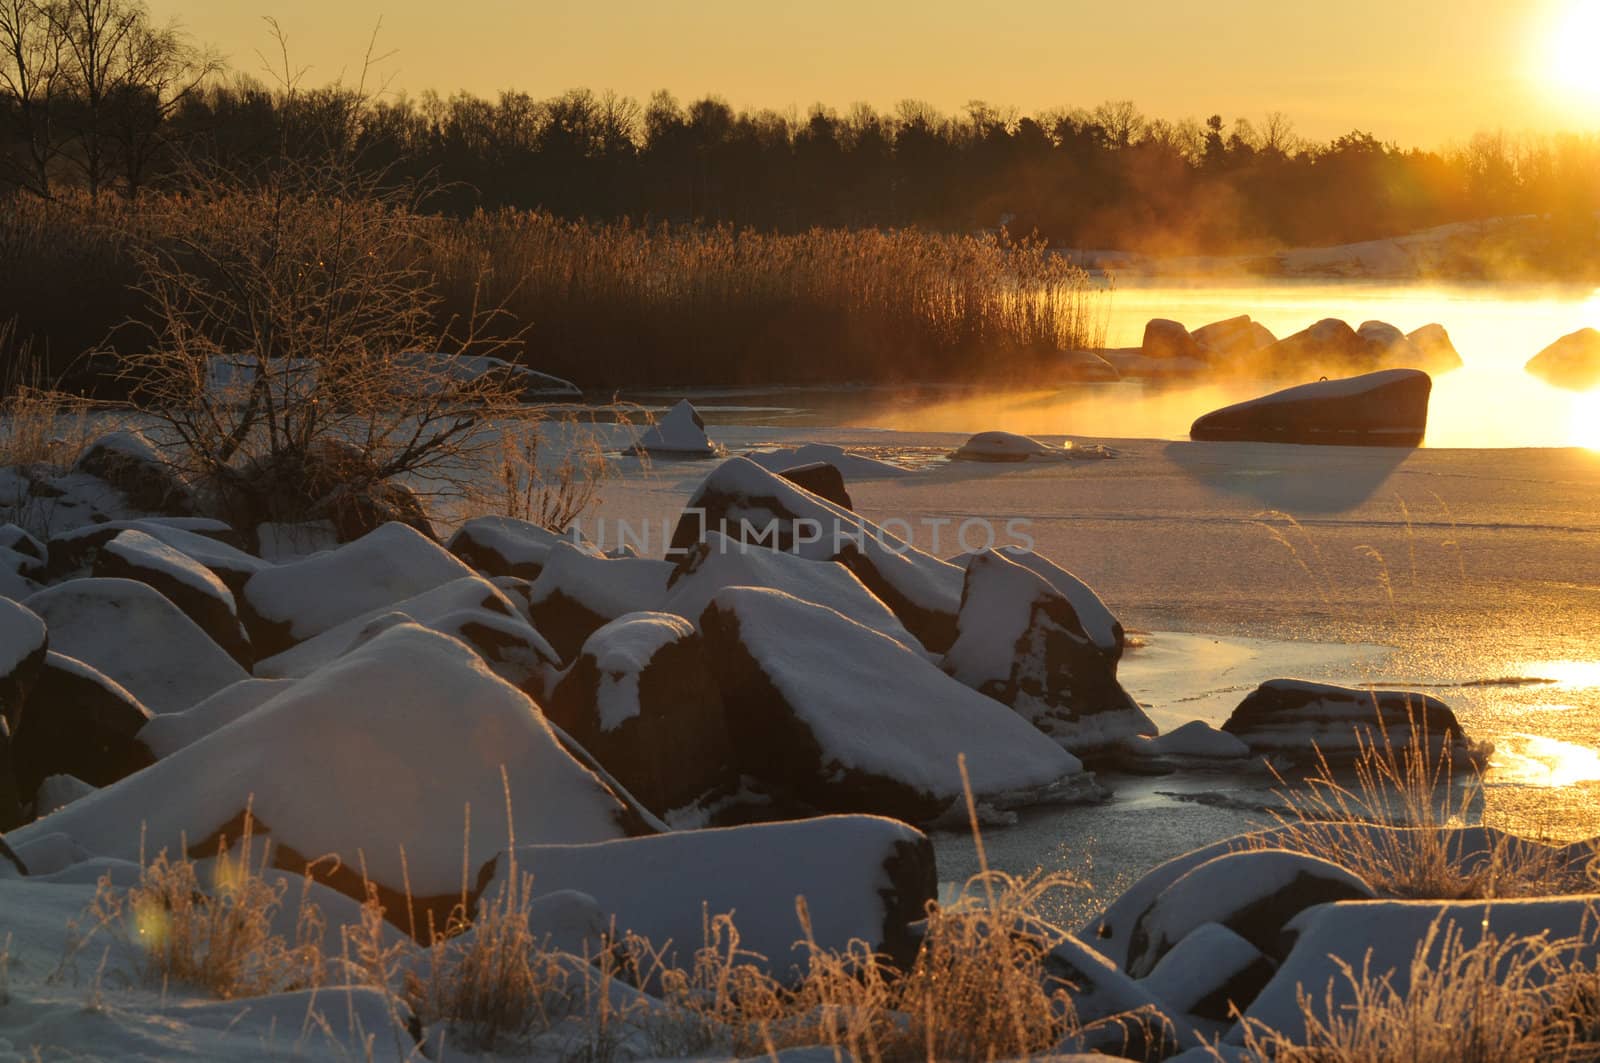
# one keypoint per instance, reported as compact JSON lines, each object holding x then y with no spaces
{"x":1287,"y":717}
{"x":1195,"y":741}
{"x":846,"y":719}
{"x":1005,"y":446}
{"x":1379,"y":939}
{"x":57,"y":792}
{"x":1252,"y":892}
{"x":1168,"y":339}
{"x":851,"y":465}
{"x":72,"y":550}
{"x":130,"y":463}
{"x":165,"y":735}
{"x":718,"y":562}
{"x":24,"y":640}
{"x":1019,"y":641}
{"x":641,"y":697}
{"x":822,"y":480}
{"x":23,"y":543}
{"x":506,"y":546}
{"x":1572,"y":362}
{"x":578,"y":592}
{"x":1209,"y":972}
{"x":432,"y":605}
{"x":1387,"y":408}
{"x":291,"y":603}
{"x":681,"y":433}
{"x":226,"y":561}
{"x":1099,"y":623}
{"x":750,"y":505}
{"x":1126,"y":1020}
{"x":183,"y":581}
{"x":374,"y":760}
{"x":135,"y":636}
{"x":78,"y":722}
{"x":863,"y":879}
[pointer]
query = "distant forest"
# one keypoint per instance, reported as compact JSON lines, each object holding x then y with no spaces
{"x":1103,"y":177}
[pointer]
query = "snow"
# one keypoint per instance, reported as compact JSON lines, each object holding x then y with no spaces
{"x":664,"y":887}
{"x":1099,"y":623}
{"x":852,"y":465}
{"x":607,"y":587}
{"x":59,"y":791}
{"x":231,"y":376}
{"x":1198,"y":965}
{"x":13,"y":584}
{"x":136,"y":637}
{"x":496,"y":544}
{"x":23,"y":635}
{"x":143,"y":550}
{"x":831,"y":671}
{"x":127,"y":443}
{"x":720,"y":562}
{"x":996,"y":612}
{"x":374,"y":759}
{"x":211,"y":552}
{"x":1004,"y":446}
{"x":680,"y":433}
{"x":1194,"y":739}
{"x":1347,"y":387}
{"x":1384,"y":936}
{"x":385,"y":566}
{"x":621,"y":650}
{"x":468,"y":592}
{"x":165,"y":735}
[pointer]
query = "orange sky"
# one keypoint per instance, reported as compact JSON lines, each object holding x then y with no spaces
{"x":1420,"y":72}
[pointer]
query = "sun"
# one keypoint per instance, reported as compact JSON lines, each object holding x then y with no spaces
{"x":1573,"y":70}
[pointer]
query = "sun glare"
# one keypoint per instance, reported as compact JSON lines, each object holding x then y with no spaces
{"x":1573,"y":69}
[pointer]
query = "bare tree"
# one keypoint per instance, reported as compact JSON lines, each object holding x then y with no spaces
{"x":32,"y":74}
{"x":157,"y":70}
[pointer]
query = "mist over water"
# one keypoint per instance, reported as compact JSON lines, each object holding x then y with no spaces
{"x":1489,"y":402}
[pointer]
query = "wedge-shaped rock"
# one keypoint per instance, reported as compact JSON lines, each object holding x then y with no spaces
{"x":747,"y":503}
{"x":1294,"y":718}
{"x":373,"y":760}
{"x":80,"y":723}
{"x":1020,"y":641}
{"x":641,"y":697}
{"x":579,"y":592}
{"x":1572,"y":362}
{"x":291,"y":603}
{"x":844,"y":719}
{"x":681,"y":433}
{"x":1383,"y":409}
{"x":863,"y":879}
{"x":134,"y":635}
{"x":1099,"y":622}
{"x":505,"y":546}
{"x":183,"y":581}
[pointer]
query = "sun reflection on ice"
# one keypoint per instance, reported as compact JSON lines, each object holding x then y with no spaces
{"x":1538,"y":760}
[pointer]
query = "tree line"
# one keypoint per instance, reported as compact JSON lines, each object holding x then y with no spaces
{"x":96,"y":95}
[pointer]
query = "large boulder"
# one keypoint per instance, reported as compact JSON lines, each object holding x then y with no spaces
{"x":22,"y":542}
{"x":1209,"y":973}
{"x":1020,"y":641}
{"x":578,"y":592}
{"x":401,"y":761}
{"x":135,"y":636}
{"x":1119,"y":1017}
{"x":864,"y":879}
{"x":165,"y":735}
{"x":72,"y":551}
{"x":751,"y":505}
{"x":1233,"y":338}
{"x":681,"y":433}
{"x":822,"y":479}
{"x":1328,"y":345}
{"x":641,"y":697}
{"x":1253,"y":892}
{"x":506,"y":546}
{"x":1572,"y":362}
{"x":291,"y":603}
{"x":183,"y":581}
{"x":1099,"y":622}
{"x":1384,"y":409}
{"x":130,"y":463}
{"x":1433,"y":346}
{"x":841,"y":718}
{"x":1004,"y":447}
{"x":1168,"y":339}
{"x":1294,"y":718}
{"x":24,"y":641}
{"x":718,"y":562}
{"x":81,"y":723}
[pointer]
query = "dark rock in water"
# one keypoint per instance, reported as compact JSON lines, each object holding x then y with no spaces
{"x":1432,"y":344}
{"x":1572,"y":362}
{"x":1168,"y":339}
{"x":24,"y":640}
{"x":1383,"y":409}
{"x":1287,"y":716}
{"x":128,"y":462}
{"x":579,"y":592}
{"x":1329,"y":344}
{"x":1019,"y":641}
{"x":641,"y":697}
{"x":1209,"y":973}
{"x":822,"y":480}
{"x":1252,"y":892}
{"x":506,"y":546}
{"x":79,"y":723}
{"x":1233,"y":337}
{"x":183,"y":581}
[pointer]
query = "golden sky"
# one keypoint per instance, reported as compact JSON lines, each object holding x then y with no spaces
{"x":1420,"y":72}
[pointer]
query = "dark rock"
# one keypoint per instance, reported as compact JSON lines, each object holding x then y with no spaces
{"x":1020,"y":641}
{"x":1209,"y":973}
{"x":1572,"y":362}
{"x":821,"y":479}
{"x":1437,"y":353}
{"x":24,"y":640}
{"x":641,"y":697}
{"x":128,"y":462}
{"x":1234,"y":337}
{"x":359,"y":509}
{"x":79,"y":723}
{"x":1387,"y":408}
{"x":506,"y":546}
{"x":1294,"y":718}
{"x":578,"y":592}
{"x":183,"y":581}
{"x":19,"y":541}
{"x":1168,"y":339}
{"x":1330,"y":344}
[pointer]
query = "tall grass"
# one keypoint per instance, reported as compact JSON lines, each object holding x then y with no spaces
{"x":619,"y":304}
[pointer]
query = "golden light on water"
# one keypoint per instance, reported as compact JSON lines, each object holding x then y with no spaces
{"x":1539,"y":760}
